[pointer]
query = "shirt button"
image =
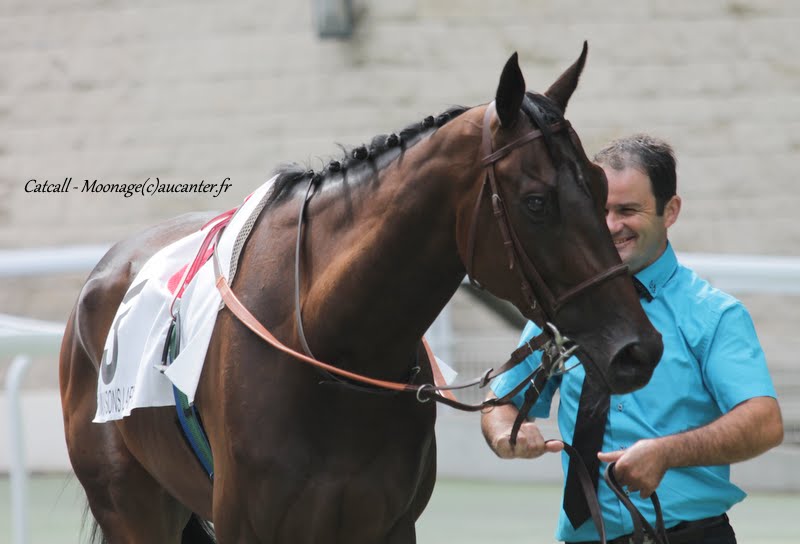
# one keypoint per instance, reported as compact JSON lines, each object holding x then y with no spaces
{"x":619,"y":406}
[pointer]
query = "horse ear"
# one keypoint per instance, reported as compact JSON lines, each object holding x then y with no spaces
{"x":510,"y":92}
{"x":560,"y":91}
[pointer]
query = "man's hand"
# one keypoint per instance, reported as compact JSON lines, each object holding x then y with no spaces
{"x":496,"y":425}
{"x":640,"y":467}
{"x":749,"y":429}
{"x":530,"y":443}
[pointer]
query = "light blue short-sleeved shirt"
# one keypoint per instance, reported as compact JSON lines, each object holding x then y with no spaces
{"x":712,"y":361}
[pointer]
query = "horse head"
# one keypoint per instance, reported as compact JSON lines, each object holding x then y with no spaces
{"x":533,"y":231}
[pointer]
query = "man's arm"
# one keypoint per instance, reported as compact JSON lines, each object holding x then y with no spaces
{"x":748,"y":430}
{"x":496,"y":426}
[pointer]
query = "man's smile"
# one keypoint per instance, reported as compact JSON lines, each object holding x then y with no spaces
{"x":622,"y":241}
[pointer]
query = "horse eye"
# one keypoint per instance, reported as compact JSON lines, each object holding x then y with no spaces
{"x":535,"y":204}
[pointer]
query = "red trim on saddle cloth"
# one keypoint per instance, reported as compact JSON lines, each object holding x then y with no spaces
{"x":172,"y":284}
{"x":179,"y":280}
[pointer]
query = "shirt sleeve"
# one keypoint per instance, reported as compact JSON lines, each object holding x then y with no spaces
{"x":510,"y":379}
{"x":734,"y":367}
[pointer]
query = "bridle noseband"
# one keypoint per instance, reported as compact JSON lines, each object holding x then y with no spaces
{"x":547,"y":305}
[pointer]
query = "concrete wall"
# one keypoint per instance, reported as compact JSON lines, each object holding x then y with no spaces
{"x":194,"y":90}
{"x":200,"y":90}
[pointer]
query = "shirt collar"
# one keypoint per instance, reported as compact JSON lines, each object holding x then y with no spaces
{"x":655,"y":276}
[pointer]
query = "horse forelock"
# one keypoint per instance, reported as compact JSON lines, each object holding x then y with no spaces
{"x":540,"y":108}
{"x":543,"y":113}
{"x":359,"y":162}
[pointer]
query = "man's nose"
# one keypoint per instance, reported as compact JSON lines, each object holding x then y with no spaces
{"x":613,"y":223}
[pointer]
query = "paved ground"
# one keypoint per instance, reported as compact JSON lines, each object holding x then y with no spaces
{"x":477,"y":513}
{"x":461,"y":511}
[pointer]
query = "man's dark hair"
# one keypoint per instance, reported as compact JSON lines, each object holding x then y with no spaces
{"x":650,"y":155}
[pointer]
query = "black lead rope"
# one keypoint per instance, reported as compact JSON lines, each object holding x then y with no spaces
{"x":657,"y":534}
{"x":588,"y":490}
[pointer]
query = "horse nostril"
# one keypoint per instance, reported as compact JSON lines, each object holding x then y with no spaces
{"x":633,"y":365}
{"x":636,"y":354}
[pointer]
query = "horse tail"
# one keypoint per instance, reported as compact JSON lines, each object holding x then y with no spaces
{"x":198,"y":531}
{"x":95,"y":533}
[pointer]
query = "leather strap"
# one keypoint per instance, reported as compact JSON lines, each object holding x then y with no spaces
{"x":658,"y":534}
{"x":424,"y":392}
{"x":588,"y":489}
{"x":438,"y":378}
{"x":516,"y":255}
{"x":532,"y":285}
{"x":216,"y":225}
{"x":529,"y":137}
{"x":531,"y":396}
{"x":298,"y":310}
{"x":473,"y":226}
{"x":640,"y":524}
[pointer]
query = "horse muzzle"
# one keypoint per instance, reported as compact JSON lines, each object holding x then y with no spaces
{"x":633,"y":365}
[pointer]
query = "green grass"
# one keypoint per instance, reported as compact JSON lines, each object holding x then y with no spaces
{"x":461,"y":511}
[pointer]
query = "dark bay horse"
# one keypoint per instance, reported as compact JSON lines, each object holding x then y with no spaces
{"x":388,"y":236}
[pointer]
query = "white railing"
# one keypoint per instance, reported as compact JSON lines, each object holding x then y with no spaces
{"x":21,"y":337}
{"x":737,"y":274}
{"x":732,"y":273}
{"x":49,"y":260}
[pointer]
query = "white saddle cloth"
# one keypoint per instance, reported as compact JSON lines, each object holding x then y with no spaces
{"x":130,"y":375}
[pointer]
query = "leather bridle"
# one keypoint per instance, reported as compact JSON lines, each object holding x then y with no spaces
{"x":556,"y":348}
{"x":532,"y":285}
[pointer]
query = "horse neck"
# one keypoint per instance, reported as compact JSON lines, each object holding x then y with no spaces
{"x":393,"y":261}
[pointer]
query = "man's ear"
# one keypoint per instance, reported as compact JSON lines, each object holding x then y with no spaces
{"x":672,"y":209}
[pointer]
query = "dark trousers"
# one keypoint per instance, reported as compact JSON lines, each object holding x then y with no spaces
{"x":716,"y":530}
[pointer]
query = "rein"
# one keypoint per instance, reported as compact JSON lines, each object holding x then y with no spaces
{"x":641,"y":527}
{"x":556,"y":348}
{"x":424,"y":392}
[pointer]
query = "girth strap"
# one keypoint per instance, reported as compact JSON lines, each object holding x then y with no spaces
{"x":188,"y":417}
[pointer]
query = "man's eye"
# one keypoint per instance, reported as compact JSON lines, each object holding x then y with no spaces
{"x":536,"y":204}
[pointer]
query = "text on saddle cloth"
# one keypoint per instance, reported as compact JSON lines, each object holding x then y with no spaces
{"x":130,"y":375}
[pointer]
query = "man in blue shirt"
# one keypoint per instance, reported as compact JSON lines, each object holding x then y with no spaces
{"x":710,"y":402}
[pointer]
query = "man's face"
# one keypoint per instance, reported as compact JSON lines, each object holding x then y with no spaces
{"x":639,"y":233}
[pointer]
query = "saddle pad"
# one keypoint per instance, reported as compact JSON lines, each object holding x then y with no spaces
{"x":130,"y":375}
